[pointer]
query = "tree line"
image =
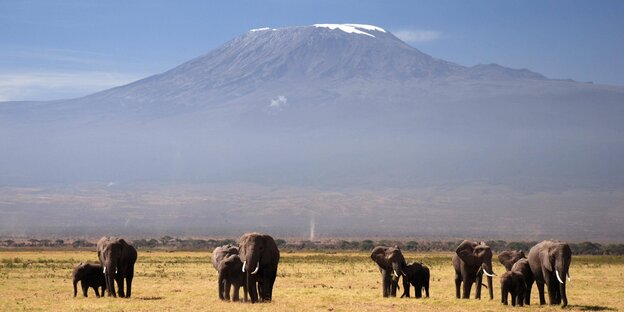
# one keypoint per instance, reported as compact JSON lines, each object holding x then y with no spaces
{"x":174,"y":243}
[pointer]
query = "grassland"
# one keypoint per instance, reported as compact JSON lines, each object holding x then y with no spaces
{"x":186,"y":281}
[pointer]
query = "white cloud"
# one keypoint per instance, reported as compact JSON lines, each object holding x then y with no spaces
{"x":55,"y":85}
{"x":418,"y":35}
{"x":278,"y":103}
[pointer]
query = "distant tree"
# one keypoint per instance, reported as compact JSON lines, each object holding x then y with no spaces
{"x":59,"y":242}
{"x":519,"y":246}
{"x":9,"y":242}
{"x":280,"y":242}
{"x":411,"y":245}
{"x":367,"y":245}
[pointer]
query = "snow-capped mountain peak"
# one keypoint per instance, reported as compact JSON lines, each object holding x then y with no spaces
{"x":352,"y":28}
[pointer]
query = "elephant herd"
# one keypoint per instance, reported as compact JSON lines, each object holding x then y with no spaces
{"x":547,"y":264}
{"x":252,"y":266}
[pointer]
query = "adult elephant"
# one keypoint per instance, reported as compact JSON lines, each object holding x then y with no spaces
{"x":509,"y":257}
{"x":550,"y":263}
{"x":117,"y":258}
{"x":260,"y":259}
{"x":471,"y":260}
{"x":391,"y":263}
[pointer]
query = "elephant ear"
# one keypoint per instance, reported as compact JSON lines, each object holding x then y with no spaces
{"x":379,"y":255}
{"x":465,"y":251}
{"x":505,"y":258}
{"x":545,"y":258}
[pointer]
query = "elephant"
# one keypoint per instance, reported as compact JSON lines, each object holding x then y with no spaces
{"x":508,"y":257}
{"x":231,"y":274}
{"x":89,"y":275}
{"x":471,"y":260}
{"x":550,"y":264}
{"x":522,"y":267}
{"x":221,"y":253}
{"x":512,"y":283}
{"x":117,"y":258}
{"x":416,"y":274}
{"x":260,"y":257}
{"x":391,"y":262}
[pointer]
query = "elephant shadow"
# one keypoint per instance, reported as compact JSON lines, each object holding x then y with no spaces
{"x":590,"y":308}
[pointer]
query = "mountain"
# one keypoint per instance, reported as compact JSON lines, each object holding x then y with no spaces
{"x":332,"y":107}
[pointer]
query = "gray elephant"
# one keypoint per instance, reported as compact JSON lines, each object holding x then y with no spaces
{"x":391,"y":264}
{"x":550,"y":264}
{"x":522,"y":267}
{"x":471,"y":260}
{"x":89,"y":275}
{"x":260,"y":257}
{"x":221,"y":253}
{"x":117,"y":258}
{"x":417,"y":275}
{"x":231,"y":274}
{"x":508,"y":257}
{"x":512,"y":284}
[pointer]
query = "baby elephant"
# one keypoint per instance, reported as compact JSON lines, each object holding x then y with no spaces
{"x":416,"y":274}
{"x":512,"y":283}
{"x":231,"y":274}
{"x":89,"y":275}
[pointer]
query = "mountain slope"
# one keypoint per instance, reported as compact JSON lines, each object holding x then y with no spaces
{"x":330,"y":107}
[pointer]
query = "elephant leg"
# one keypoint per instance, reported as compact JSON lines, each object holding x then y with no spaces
{"x":235,"y":296}
{"x":562,"y":293}
{"x":513,"y":298}
{"x":427,"y":289}
{"x":479,"y":282}
{"x":129,"y":278}
{"x":458,"y":281}
{"x":394,"y":285}
{"x":406,"y":288}
{"x":120,"y":284}
{"x":418,"y":288}
{"x":252,"y":287}
{"x":97,"y":293}
{"x":385,"y":283}
{"x":228,"y":286}
{"x":271,"y":275}
{"x":504,"y":293}
{"x":467,"y":287}
{"x":540,"y":290}
{"x":527,"y":296}
{"x":85,"y":289}
{"x":245,"y":298}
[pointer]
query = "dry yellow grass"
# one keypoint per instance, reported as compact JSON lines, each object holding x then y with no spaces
{"x":186,"y":281}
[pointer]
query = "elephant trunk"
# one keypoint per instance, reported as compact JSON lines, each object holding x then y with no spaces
{"x":75,"y":282}
{"x":221,"y":286}
{"x":397,"y":269}
{"x":109,"y":274}
{"x":250,"y":272}
{"x":490,"y":288}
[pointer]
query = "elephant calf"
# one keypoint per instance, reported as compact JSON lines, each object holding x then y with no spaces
{"x":416,"y":274}
{"x":89,"y":275}
{"x":231,"y":274}
{"x":512,"y":283}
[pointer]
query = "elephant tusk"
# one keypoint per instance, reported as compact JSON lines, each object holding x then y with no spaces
{"x":488,"y":274}
{"x":395,"y":273}
{"x":559,"y":278}
{"x":568,"y":276}
{"x":244,"y":263}
{"x":104,"y":270}
{"x":257,"y":268}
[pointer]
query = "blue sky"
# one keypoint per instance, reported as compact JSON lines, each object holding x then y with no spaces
{"x":60,"y":49}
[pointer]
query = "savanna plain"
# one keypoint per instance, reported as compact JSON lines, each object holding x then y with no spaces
{"x":307,"y":281}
